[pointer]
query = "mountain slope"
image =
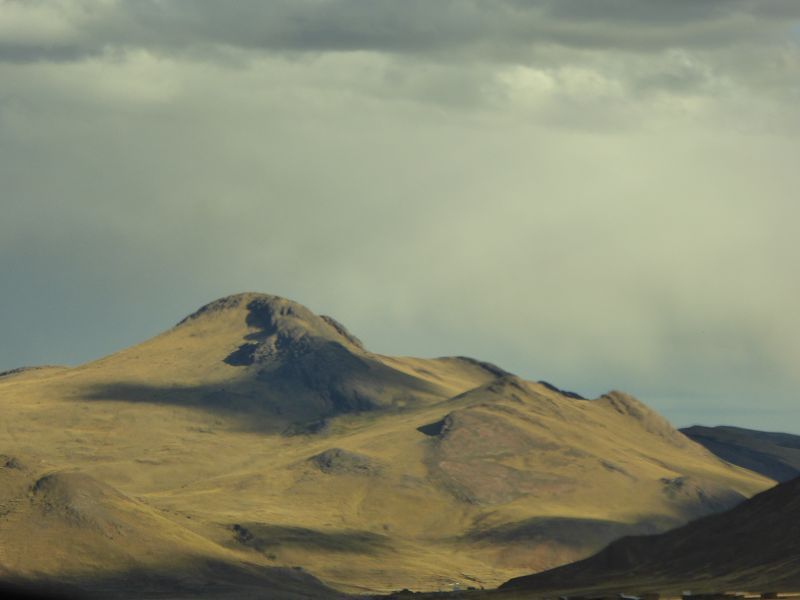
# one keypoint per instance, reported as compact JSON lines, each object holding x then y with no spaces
{"x":271,"y":433}
{"x":774,"y":455}
{"x":268,"y":357}
{"x":754,"y":546}
{"x":69,"y":532}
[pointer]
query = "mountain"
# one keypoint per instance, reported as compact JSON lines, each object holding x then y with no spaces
{"x":774,"y":455}
{"x":754,"y":546}
{"x":256,"y":436}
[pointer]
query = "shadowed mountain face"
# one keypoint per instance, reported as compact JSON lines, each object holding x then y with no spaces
{"x":275,"y":366}
{"x":256,"y":436}
{"x":314,"y":359}
{"x":288,"y":351}
{"x":775,"y":455}
{"x":755,"y":546}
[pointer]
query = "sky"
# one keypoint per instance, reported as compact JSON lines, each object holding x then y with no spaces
{"x":600,"y":194}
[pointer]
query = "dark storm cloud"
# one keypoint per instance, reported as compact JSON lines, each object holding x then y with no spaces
{"x":502,"y":29}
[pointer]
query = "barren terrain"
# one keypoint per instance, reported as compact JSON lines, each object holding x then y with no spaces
{"x":257,"y":445}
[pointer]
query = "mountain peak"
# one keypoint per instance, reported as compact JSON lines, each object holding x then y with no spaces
{"x":275,"y":316}
{"x":244,"y":301}
{"x":630,"y":406}
{"x":284,"y":350}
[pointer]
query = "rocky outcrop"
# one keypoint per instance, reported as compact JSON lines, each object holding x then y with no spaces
{"x":336,"y":461}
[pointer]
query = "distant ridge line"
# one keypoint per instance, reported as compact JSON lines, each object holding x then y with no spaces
{"x":19,"y":370}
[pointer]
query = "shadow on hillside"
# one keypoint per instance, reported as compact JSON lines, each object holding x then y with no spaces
{"x":567,"y":531}
{"x":266,"y":538}
{"x":247,"y":407}
{"x":309,"y":388}
{"x":34,"y":591}
{"x":204,"y":579}
{"x":774,"y":455}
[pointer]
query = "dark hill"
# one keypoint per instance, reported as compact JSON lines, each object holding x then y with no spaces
{"x":776,"y":455}
{"x":754,"y":546}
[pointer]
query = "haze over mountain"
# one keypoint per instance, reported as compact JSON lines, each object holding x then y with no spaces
{"x":255,"y":436}
{"x":754,"y":546}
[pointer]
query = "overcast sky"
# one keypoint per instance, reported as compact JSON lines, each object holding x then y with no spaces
{"x":603,"y":194}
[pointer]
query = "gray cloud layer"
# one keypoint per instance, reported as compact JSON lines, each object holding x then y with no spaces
{"x":598,"y":193}
{"x":80,"y":27}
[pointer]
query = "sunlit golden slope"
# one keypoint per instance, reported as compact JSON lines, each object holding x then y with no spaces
{"x":257,"y":429}
{"x":69,"y":532}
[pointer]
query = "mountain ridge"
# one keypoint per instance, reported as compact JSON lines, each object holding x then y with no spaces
{"x":272,"y":433}
{"x":773,"y":454}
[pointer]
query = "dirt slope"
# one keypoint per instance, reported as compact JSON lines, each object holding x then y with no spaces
{"x":256,"y":431}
